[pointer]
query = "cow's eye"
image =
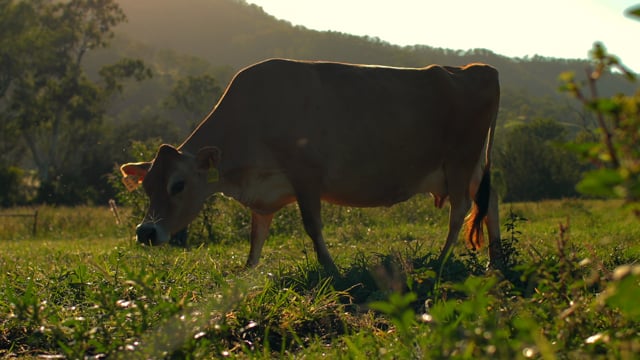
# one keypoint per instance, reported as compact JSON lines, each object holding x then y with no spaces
{"x":177,"y":187}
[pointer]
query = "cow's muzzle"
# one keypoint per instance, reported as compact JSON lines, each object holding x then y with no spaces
{"x":149,"y":234}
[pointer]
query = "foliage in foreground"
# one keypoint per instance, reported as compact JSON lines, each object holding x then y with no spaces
{"x":92,"y":297}
{"x":614,"y":150}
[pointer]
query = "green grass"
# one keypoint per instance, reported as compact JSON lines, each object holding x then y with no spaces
{"x":81,"y":287}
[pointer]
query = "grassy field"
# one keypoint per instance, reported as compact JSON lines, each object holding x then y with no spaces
{"x":81,"y":287}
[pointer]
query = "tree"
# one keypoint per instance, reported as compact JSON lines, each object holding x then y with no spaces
{"x":533,"y":166}
{"x":12,"y":191}
{"x":16,"y":18}
{"x":194,"y":95}
{"x":48,"y":100}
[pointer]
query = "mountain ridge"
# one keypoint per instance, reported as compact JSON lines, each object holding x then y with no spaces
{"x":236,"y":34}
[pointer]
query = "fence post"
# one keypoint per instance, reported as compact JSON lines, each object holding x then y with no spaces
{"x":35,"y":223}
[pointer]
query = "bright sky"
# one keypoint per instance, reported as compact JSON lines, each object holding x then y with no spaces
{"x":515,"y":28}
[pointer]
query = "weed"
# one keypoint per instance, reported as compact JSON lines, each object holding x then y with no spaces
{"x":510,"y":244}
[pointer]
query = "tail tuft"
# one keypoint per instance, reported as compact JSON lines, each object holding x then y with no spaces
{"x":474,"y":232}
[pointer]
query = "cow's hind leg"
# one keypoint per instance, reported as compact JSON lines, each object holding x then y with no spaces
{"x":496,"y":258}
{"x":259,"y":231}
{"x":311,"y":218}
{"x":459,"y":207}
{"x":486,"y":208}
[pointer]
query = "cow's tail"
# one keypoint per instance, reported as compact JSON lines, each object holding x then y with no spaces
{"x":474,"y":224}
{"x":474,"y":230}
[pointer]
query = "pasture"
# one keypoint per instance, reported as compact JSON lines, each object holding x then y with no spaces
{"x":81,"y":287}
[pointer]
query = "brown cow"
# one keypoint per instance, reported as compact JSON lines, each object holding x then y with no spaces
{"x":354,"y":135}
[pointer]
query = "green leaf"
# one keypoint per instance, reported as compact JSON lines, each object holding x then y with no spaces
{"x":382,"y":306}
{"x":634,"y":11}
{"x":601,"y":182}
{"x":625,"y":296}
{"x":598,"y":52}
{"x":608,"y":106}
{"x":567,"y":76}
{"x":582,"y":148}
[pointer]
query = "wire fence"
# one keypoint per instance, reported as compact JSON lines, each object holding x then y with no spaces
{"x":34,"y":215}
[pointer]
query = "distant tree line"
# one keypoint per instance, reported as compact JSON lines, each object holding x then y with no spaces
{"x":532,"y":163}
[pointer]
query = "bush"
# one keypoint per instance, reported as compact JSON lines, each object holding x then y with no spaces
{"x":16,"y":186}
{"x":532,"y":165}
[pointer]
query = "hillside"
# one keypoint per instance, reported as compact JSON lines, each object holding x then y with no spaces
{"x":218,"y":37}
{"x":236,"y":34}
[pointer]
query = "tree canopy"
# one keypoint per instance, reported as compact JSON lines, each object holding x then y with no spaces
{"x":48,"y":102}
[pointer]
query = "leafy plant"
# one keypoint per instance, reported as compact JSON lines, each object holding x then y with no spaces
{"x":616,"y":155}
{"x":509,"y":245}
{"x":398,"y":308}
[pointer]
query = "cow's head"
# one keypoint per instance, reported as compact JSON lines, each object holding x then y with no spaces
{"x":177,"y":184}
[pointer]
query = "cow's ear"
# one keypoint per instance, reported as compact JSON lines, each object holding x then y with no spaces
{"x":133,"y":174}
{"x":208,"y":159}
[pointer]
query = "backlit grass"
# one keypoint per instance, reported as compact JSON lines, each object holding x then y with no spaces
{"x":83,"y":288}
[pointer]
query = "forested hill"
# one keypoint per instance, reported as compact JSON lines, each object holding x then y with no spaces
{"x":235,"y":34}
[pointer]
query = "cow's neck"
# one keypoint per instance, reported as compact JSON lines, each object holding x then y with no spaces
{"x":203,"y":135}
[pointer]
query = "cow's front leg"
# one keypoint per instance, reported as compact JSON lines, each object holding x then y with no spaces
{"x":259,"y":231}
{"x":311,"y":218}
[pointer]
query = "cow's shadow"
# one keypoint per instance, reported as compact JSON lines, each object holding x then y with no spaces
{"x":395,"y":273}
{"x":375,"y":278}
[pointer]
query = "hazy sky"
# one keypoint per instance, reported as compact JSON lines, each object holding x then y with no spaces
{"x":515,"y":28}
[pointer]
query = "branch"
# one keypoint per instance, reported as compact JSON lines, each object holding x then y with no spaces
{"x":31,"y":144}
{"x":593,"y":77}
